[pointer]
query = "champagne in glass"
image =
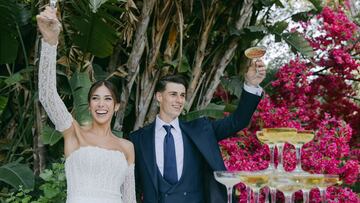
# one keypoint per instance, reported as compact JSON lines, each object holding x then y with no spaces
{"x":255,"y":53}
{"x":286,"y":183}
{"x":329,"y":180}
{"x":288,"y":189}
{"x":256,"y":180}
{"x":279,"y":136}
{"x":264,"y":138}
{"x":302,"y":137}
{"x":229,"y":179}
{"x":308,"y":181}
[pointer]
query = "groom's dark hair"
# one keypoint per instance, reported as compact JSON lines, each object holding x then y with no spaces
{"x":161,"y":84}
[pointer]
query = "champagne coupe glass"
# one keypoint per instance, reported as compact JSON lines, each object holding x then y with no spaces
{"x":308,"y":182}
{"x":329,"y":180}
{"x":256,"y":180}
{"x":271,"y":142}
{"x":264,"y":138}
{"x":53,"y":3}
{"x":229,"y":179}
{"x":286,"y":183}
{"x":267,"y":190}
{"x":312,"y":181}
{"x":302,"y":137}
{"x":280,"y":136}
{"x":248,"y":194}
{"x":255,"y":53}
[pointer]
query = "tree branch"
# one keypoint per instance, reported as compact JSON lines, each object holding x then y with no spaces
{"x":132,"y":64}
{"x":200,"y":52}
{"x":354,"y":98}
{"x":244,"y":18}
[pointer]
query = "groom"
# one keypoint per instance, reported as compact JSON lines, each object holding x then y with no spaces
{"x":175,"y":160}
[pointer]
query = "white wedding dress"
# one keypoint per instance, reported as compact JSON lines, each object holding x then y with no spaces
{"x":96,"y":175}
{"x":93,"y":174}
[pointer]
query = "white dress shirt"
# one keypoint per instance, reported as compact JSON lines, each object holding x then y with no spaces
{"x":253,"y":90}
{"x":160,"y":133}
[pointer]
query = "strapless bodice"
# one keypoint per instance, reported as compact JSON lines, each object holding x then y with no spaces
{"x":95,"y":175}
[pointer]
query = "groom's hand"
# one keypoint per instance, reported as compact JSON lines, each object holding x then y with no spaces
{"x":256,"y":73}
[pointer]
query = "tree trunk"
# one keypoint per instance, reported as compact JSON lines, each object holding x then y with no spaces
{"x":133,"y":63}
{"x":151,"y":74}
{"x":39,"y":148}
{"x":200,"y":54}
{"x":353,"y":8}
{"x":241,"y":23}
{"x":168,"y":57}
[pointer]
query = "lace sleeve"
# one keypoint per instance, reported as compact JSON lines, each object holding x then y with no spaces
{"x":48,"y":96}
{"x":128,"y":187}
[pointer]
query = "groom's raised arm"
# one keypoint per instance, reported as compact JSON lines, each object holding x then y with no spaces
{"x":249,"y":100}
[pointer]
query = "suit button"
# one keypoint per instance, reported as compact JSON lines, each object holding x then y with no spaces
{"x":166,"y":195}
{"x":185,"y":193}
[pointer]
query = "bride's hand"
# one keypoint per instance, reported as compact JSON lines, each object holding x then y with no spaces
{"x":49,"y":25}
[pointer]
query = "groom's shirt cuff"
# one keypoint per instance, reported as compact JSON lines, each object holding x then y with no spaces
{"x":253,"y":90}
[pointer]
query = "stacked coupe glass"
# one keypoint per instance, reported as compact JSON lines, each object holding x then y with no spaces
{"x":277,"y":178}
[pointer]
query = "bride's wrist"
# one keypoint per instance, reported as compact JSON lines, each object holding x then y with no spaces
{"x":51,"y":41}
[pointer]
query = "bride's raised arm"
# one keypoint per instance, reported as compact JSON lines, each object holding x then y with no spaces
{"x":55,"y":108}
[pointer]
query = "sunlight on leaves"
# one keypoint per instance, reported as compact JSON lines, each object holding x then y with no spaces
{"x":95,"y":4}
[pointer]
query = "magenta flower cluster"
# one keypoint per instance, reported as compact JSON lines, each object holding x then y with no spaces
{"x":307,"y":97}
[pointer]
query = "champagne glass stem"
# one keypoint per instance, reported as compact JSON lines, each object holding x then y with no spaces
{"x":323,"y":195}
{"x":229,"y":194}
{"x":257,"y":71}
{"x":257,"y":196}
{"x":306,"y":194}
{"x":280,"y":152}
{"x":267,"y":191}
{"x":288,"y":198}
{"x":272,"y":151}
{"x":248,"y":193}
{"x":298,"y":158}
{"x":273,"y":195}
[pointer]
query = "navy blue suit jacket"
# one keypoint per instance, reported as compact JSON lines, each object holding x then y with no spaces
{"x":205,"y":135}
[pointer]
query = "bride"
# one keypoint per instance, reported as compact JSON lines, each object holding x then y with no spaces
{"x":99,"y":166}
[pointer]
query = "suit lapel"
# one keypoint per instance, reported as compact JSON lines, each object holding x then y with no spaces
{"x":148,"y":152}
{"x":198,"y":134}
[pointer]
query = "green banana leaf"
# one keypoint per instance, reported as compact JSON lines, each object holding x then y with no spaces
{"x":8,"y":35}
{"x":277,"y":29}
{"x":80,"y":85}
{"x":3,"y":103}
{"x":269,"y":3}
{"x":233,"y":84}
{"x":16,"y":174}
{"x":298,"y":43}
{"x":50,"y":136}
{"x":8,"y":47}
{"x":304,"y":16}
{"x":92,"y":32}
{"x":13,"y":16}
{"x":317,"y":4}
{"x":212,"y":111}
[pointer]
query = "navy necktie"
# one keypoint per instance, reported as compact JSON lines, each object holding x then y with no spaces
{"x":170,"y":169}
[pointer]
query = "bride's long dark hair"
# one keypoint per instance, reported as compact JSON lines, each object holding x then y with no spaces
{"x":111,"y":87}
